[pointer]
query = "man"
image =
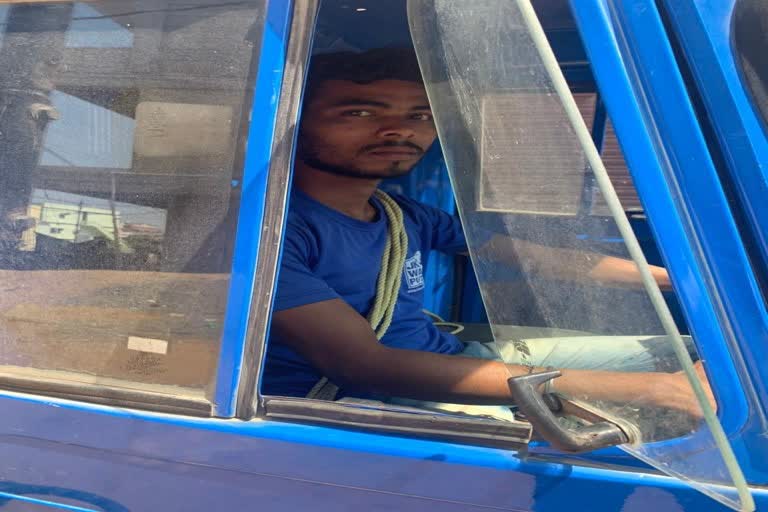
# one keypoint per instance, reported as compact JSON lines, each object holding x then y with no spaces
{"x":366,"y":118}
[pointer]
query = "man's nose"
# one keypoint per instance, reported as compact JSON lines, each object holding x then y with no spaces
{"x":396,"y":130}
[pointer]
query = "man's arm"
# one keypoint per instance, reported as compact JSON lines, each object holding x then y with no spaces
{"x":610,"y":269}
{"x":341,"y":345}
{"x":570,"y":264}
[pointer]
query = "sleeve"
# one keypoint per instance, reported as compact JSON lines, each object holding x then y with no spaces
{"x":297,"y":285}
{"x":447,"y":231}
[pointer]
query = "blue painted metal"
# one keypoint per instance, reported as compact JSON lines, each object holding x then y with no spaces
{"x":669,"y":161}
{"x":704,"y":30}
{"x":146,"y":461}
{"x":743,"y":304}
{"x":254,"y":183}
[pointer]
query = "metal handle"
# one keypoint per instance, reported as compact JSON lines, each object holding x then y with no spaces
{"x":534,"y":405}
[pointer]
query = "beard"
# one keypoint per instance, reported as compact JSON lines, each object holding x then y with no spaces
{"x":311,"y":156}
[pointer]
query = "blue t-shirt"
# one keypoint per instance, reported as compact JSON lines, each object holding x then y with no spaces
{"x":328,"y":255}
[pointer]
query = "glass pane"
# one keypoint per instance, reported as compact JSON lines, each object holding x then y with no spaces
{"x":749,"y":21}
{"x":614,"y":162}
{"x":518,"y":170}
{"x":123,"y":126}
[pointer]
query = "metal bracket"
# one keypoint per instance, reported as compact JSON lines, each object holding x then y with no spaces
{"x":535,"y":406}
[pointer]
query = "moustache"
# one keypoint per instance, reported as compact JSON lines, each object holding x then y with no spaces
{"x":393,"y":144}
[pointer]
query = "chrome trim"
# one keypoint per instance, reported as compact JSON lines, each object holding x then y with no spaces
{"x":397,"y":420}
{"x":105,"y":391}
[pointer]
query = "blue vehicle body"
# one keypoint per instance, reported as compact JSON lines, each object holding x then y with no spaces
{"x":671,"y":91}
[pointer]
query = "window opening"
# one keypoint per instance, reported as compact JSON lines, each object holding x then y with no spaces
{"x":303,"y":256}
{"x":553,"y":214}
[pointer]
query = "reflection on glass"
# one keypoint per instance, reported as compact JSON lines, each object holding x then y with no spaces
{"x":109,"y":135}
{"x":3,"y":15}
{"x":98,"y":229}
{"x":123,"y":124}
{"x":93,"y":29}
{"x":543,"y":164}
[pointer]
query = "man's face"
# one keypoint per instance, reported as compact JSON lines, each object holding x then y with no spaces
{"x":374,"y":131}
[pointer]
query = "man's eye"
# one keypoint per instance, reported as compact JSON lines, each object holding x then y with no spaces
{"x":357,"y":113}
{"x":422,"y":117}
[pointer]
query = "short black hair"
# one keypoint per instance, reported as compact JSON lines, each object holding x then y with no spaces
{"x":363,"y":67}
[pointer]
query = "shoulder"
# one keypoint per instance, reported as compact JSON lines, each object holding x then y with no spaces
{"x":300,"y":235}
{"x":419,"y":212}
{"x":438,"y":228}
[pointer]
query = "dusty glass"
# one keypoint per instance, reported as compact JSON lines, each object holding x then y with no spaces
{"x":123,"y":129}
{"x":518,"y":154}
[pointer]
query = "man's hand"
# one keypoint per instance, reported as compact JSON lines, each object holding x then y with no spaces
{"x":679,"y":393}
{"x":670,"y":391}
{"x":575,"y":265}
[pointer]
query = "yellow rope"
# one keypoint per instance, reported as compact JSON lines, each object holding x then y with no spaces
{"x":392,"y":262}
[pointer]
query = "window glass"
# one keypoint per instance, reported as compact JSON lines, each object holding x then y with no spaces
{"x":123,"y":126}
{"x":617,"y":169}
{"x":518,"y":167}
{"x":612,"y":158}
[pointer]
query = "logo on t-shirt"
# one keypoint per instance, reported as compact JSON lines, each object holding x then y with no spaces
{"x":414,"y":273}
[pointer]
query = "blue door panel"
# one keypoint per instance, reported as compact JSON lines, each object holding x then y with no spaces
{"x":148,"y":484}
{"x":160,"y":463}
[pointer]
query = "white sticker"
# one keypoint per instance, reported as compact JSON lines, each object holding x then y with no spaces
{"x":147,"y":345}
